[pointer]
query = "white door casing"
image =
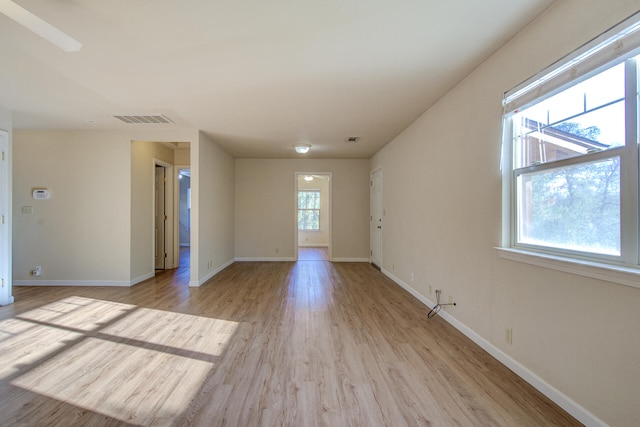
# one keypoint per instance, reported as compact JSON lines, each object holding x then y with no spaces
{"x":5,"y":221}
{"x":160,"y":218}
{"x":376,"y":217}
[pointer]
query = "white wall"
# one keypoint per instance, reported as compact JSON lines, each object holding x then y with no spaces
{"x":82,"y":233}
{"x":90,"y":232}
{"x":265,"y":207}
{"x":182,"y":156}
{"x":318,"y":238}
{"x":442,"y":197}
{"x":6,"y":124}
{"x":143,"y":156}
{"x":212,"y":209}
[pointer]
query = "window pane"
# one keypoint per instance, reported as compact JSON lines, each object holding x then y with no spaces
{"x":585,"y":118}
{"x":308,"y":219}
{"x":575,"y":207}
{"x":309,"y":199}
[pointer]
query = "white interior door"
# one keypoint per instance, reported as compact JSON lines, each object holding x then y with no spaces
{"x":5,"y":223}
{"x":160,"y":217}
{"x":376,"y":217}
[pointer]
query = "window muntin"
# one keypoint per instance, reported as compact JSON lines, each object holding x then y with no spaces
{"x":585,"y":118}
{"x":309,"y":210}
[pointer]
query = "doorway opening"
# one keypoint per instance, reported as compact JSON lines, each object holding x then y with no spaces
{"x":160,"y":217}
{"x":377,"y":213}
{"x":165,"y":223}
{"x":184,"y":216}
{"x":6,"y":289}
{"x":313,"y":216}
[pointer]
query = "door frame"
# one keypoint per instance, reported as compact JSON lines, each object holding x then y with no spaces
{"x":170,"y":224}
{"x":6,"y":288}
{"x":329,"y":210}
{"x":377,"y":214}
{"x":176,"y":212}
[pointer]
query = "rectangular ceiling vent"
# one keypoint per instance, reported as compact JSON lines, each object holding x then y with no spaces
{"x":143,"y":118}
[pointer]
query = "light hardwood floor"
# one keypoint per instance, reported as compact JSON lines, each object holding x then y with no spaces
{"x":310,"y":343}
{"x":312,"y":253}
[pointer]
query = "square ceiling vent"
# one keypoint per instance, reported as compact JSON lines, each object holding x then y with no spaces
{"x":143,"y":118}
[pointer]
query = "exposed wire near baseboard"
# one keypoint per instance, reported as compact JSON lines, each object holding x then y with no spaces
{"x":438,"y":306}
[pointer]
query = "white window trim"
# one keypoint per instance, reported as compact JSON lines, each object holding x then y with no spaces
{"x":617,"y":44}
{"x":607,"y":272}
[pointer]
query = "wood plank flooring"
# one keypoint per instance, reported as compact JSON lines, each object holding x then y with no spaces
{"x":311,"y":253}
{"x":311,"y":343}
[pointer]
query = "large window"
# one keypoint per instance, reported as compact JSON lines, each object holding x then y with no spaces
{"x":571,"y":154}
{"x":309,"y":210}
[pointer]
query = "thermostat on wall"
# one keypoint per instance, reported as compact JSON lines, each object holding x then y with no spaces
{"x":41,"y":194}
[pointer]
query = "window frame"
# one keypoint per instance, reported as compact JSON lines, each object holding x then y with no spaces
{"x":625,"y":268}
{"x":309,"y":190}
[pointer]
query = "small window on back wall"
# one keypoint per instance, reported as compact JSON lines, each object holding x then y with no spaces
{"x":309,"y":210}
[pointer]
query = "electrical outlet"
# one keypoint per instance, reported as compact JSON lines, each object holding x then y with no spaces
{"x":412,"y":277}
{"x":450,"y":299}
{"x":37,"y":270}
{"x":430,"y":289}
{"x":277,"y":250}
{"x":508,"y":336}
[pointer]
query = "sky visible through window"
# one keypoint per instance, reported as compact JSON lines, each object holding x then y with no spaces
{"x":589,"y":103}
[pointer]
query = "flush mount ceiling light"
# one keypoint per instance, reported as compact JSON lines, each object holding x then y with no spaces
{"x":302,"y":148}
{"x":39,"y":26}
{"x":308,"y":178}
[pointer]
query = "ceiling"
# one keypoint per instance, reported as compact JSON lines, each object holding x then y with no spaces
{"x":255,"y":76}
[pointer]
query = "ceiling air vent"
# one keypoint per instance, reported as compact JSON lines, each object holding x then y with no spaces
{"x":353,"y":139}
{"x":148,"y":119}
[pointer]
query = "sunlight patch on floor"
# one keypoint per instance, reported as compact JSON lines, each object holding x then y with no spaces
{"x":130,"y":363}
{"x":125,"y":382}
{"x":204,"y":335}
{"x":24,"y":343}
{"x":84,"y":314}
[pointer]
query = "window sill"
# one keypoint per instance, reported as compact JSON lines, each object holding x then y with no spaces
{"x":610,"y":273}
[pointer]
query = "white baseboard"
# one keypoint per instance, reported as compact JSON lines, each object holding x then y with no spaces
{"x":561,"y":399}
{"x":274,"y":259}
{"x":197,"y":283}
{"x":241,"y":259}
{"x":142,"y":278}
{"x":124,"y":283}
